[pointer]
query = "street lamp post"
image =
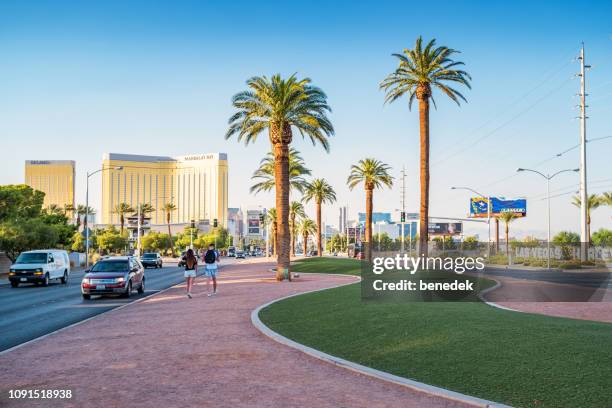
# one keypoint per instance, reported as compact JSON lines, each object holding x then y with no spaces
{"x":87,"y":210}
{"x":548,"y":177}
{"x":488,"y":198}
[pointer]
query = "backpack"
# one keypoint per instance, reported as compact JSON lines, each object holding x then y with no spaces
{"x":210,"y":256}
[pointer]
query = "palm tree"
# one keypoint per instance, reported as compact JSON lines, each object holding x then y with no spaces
{"x":606,"y":198}
{"x":169,"y":208}
{"x":321,"y":192}
{"x":270,"y":219}
{"x":55,"y":209}
{"x":420,"y":70}
{"x":507,"y":218}
{"x":145,"y":209}
{"x":280,"y":105}
{"x":121,"y":210}
{"x":265,"y":173}
{"x":69,"y":210}
{"x":593,"y":202}
{"x":82,"y":211}
{"x":373,"y":174}
{"x":296,"y":212}
{"x":307,"y":228}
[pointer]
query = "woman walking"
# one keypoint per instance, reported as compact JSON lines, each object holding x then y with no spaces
{"x":191,"y":270}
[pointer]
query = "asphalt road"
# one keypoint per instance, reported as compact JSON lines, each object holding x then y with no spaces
{"x":30,"y":311}
{"x":601,"y":280}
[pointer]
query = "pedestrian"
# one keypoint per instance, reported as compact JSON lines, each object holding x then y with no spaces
{"x":191,"y":270}
{"x":211,"y":258}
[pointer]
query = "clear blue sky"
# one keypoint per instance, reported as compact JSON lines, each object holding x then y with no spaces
{"x":78,"y":79}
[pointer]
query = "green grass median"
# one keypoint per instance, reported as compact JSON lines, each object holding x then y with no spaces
{"x":516,"y":358}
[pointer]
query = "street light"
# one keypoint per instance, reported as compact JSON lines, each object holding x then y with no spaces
{"x":547,"y":177}
{"x":87,"y":210}
{"x":488,"y":198}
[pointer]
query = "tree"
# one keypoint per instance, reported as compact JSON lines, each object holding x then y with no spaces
{"x":420,"y":70}
{"x":20,"y":202}
{"x":69,"y":210}
{"x":271,"y":220}
{"x":307,"y":228}
{"x":144,"y":210}
{"x":25,"y":235}
{"x":321,"y":192}
{"x":602,"y":237}
{"x":280,"y":105}
{"x":296,"y":212}
{"x":111,"y":241}
{"x":606,"y":198}
{"x":265,"y":173}
{"x":81,"y":213}
{"x":373,"y":174}
{"x":566,"y":237}
{"x":507,"y":218}
{"x":593,"y":202}
{"x":121,"y":210}
{"x":169,"y":208}
{"x":156,"y":241}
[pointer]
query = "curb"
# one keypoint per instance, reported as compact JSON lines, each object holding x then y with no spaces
{"x":497,"y":285}
{"x":360,"y":369}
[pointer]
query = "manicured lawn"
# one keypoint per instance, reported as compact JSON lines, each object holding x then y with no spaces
{"x":515,"y":358}
{"x":345,"y":266}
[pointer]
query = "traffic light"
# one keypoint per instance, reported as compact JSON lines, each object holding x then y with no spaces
{"x":192,"y":223}
{"x":215,"y":223}
{"x":403,"y":216}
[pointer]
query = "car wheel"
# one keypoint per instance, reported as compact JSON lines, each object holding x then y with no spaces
{"x":141,"y":289}
{"x":46,"y":281}
{"x":14,"y":284}
{"x":64,"y":278}
{"x":86,"y":297}
{"x":128,"y":291}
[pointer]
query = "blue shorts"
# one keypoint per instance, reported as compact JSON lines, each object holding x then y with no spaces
{"x":211,"y":270}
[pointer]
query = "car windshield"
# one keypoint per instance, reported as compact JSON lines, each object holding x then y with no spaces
{"x":149,"y":256}
{"x":110,"y":266}
{"x":32,"y":258}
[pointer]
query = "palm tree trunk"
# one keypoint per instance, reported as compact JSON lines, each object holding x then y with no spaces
{"x":122,"y":221}
{"x":274,"y":240}
{"x":507,"y":243}
{"x":170,"y":236}
{"x":423,"y":97}
{"x":292,"y":232}
{"x":496,"y":235}
{"x":319,"y":232}
{"x":305,"y":243}
{"x":368,"y":221}
{"x":281,"y":180}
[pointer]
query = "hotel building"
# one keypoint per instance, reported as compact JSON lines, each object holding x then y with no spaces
{"x":55,"y":178}
{"x":196,"y":184}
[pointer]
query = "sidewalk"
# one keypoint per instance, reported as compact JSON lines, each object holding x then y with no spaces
{"x":169,"y":351}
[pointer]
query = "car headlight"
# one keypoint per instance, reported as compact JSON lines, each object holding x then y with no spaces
{"x":119,"y":280}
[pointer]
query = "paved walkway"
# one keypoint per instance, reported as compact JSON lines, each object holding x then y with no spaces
{"x":169,"y":351}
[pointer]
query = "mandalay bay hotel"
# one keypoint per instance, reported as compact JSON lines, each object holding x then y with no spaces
{"x":196,"y":184}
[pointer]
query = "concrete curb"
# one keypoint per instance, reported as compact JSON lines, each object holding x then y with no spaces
{"x":497,"y":285}
{"x":358,"y":368}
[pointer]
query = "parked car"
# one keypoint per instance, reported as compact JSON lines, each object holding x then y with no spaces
{"x":239,"y":254}
{"x":116,"y":275}
{"x":231,"y":251}
{"x":152,"y":259}
{"x":40,"y":267}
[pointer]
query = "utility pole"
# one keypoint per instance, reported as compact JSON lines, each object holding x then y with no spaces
{"x":403,"y":214}
{"x":584,"y":234}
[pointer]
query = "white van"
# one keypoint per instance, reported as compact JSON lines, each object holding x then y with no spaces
{"x":40,"y":266}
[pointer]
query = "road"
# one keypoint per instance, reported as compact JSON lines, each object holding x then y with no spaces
{"x":30,"y":311}
{"x":577,"y":278}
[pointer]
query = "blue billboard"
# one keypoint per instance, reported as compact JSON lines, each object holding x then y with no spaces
{"x":479,"y":207}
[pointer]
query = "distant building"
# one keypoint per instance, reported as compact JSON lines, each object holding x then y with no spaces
{"x":235,"y":223}
{"x":254,"y":226}
{"x":55,"y":178}
{"x":342,"y":220}
{"x":376,"y":217}
{"x":196,"y":184}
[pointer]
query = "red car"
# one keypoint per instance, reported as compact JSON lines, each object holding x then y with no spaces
{"x":117,"y":275}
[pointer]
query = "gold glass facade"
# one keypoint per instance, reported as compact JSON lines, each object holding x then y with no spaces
{"x":55,"y":178}
{"x":196,"y":184}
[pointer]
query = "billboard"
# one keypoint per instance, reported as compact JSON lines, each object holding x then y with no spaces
{"x":479,"y":207}
{"x":445,"y":228}
{"x":253,"y":223}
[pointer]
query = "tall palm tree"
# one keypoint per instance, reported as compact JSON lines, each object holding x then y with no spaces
{"x":55,"y":209}
{"x":420,"y":70}
{"x":265,"y":173}
{"x":606,"y":198}
{"x":321,"y":192}
{"x":169,"y":208}
{"x":280,"y":105}
{"x":145,"y":209}
{"x":373,"y":174}
{"x":296,"y":213}
{"x":307,"y":228}
{"x":507,"y":218}
{"x":593,"y":202}
{"x":121,"y":210}
{"x":81,"y":212}
{"x":271,"y":220}
{"x":69,"y":210}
